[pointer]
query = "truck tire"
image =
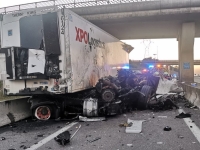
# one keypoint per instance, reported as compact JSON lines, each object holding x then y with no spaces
{"x":142,"y":102}
{"x":43,"y":112}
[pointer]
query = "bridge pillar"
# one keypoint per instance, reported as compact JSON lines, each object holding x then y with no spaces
{"x":186,"y":54}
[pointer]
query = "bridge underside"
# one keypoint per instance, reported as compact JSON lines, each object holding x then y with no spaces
{"x":144,"y":25}
{"x":182,"y":23}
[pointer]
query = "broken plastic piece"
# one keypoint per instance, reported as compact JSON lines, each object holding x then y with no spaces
{"x":94,"y":119}
{"x":183,"y":115}
{"x":136,"y":126}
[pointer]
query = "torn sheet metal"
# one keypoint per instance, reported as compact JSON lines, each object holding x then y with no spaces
{"x":94,"y":119}
{"x":36,"y":61}
{"x":136,"y":126}
{"x":165,"y":86}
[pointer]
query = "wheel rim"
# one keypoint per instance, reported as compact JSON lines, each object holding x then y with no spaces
{"x":43,"y":113}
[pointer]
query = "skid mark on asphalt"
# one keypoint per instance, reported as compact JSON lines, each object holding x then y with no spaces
{"x":192,"y":126}
{"x":47,"y":139}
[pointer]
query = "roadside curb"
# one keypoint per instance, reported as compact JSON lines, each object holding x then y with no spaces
{"x":14,"y":110}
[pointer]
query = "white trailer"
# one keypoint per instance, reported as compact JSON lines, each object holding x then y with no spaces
{"x":50,"y":50}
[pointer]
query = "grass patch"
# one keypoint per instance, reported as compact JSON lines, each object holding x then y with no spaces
{"x":2,"y":97}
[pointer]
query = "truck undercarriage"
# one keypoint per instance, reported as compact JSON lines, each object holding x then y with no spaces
{"x":111,"y":96}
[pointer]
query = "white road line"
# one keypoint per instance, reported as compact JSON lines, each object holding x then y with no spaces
{"x":47,"y":139}
{"x":195,"y":129}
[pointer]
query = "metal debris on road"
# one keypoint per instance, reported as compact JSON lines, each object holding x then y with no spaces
{"x":75,"y":132}
{"x":93,"y":119}
{"x":183,"y":115}
{"x":136,"y":126}
{"x":167,"y":128}
{"x":96,"y":139}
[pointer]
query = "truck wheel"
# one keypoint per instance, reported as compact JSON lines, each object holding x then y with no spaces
{"x":142,"y":102}
{"x":43,"y":112}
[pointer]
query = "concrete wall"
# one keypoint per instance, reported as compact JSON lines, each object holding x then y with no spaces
{"x":192,"y":94}
{"x":14,"y":110}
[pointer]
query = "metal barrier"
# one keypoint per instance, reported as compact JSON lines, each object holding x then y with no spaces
{"x":66,"y":4}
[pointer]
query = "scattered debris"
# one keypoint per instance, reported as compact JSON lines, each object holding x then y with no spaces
{"x":183,"y":115}
{"x":126,"y":124}
{"x":2,"y":138}
{"x":159,"y":143}
{"x":180,"y":136}
{"x":75,"y":132}
{"x":88,"y":136}
{"x":23,"y":146}
{"x":96,"y":139}
{"x":167,"y":128}
{"x":94,"y":119}
{"x":136,"y":126}
{"x":162,"y":116}
{"x":63,"y":138}
{"x":130,"y":145}
{"x":40,"y":135}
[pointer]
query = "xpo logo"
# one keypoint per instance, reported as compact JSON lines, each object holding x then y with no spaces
{"x":81,"y":35}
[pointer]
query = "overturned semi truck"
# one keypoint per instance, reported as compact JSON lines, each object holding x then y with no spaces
{"x":57,"y":58}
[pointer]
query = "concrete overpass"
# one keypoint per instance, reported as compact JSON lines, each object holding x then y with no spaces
{"x":162,"y":62}
{"x":140,"y":19}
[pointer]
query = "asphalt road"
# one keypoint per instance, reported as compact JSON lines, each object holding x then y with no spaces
{"x":111,"y":136}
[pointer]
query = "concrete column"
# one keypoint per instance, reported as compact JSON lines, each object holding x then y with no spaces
{"x":186,"y":53}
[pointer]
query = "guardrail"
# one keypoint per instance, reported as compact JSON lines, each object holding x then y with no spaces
{"x":66,"y":4}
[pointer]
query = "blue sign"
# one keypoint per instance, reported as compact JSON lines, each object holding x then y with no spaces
{"x":186,"y":65}
{"x":10,"y":33}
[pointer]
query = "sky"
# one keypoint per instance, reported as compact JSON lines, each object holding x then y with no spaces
{"x":162,"y":49}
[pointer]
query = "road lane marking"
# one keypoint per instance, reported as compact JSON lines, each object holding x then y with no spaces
{"x":195,"y":129}
{"x":49,"y":138}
